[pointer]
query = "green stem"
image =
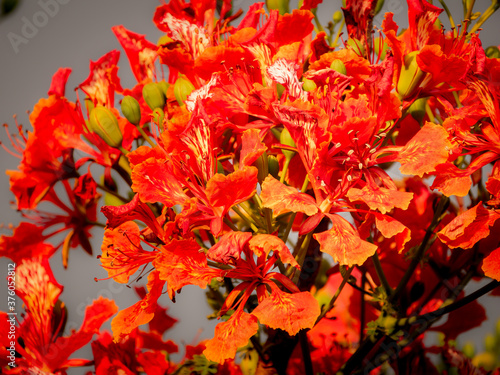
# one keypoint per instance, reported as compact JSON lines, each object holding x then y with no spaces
{"x":251,"y":223}
{"x":306,"y":352}
{"x":113,"y":193}
{"x":487,"y":14}
{"x":230,"y":224}
{"x":285,"y":169}
{"x":301,"y":256}
{"x":335,"y":296}
{"x":421,"y":250}
{"x":448,"y":13}
{"x":145,"y":136}
{"x":381,"y":274}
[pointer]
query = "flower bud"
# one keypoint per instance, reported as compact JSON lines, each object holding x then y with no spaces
{"x":417,"y":110}
{"x":273,"y":166}
{"x":338,"y":66}
{"x":308,"y":85}
{"x":281,"y":5}
{"x":490,"y":343}
{"x":153,"y":95}
{"x":337,"y":17}
{"x":158,"y":117}
{"x":89,"y":104}
{"x":164,"y":87}
{"x":182,"y":89}
{"x":105,"y":124}
{"x":356,"y":46}
{"x":286,"y":139}
{"x":410,"y":77}
{"x":376,"y":47}
{"x":378,"y":7}
{"x":131,"y":110}
{"x":469,"y":349}
{"x":492,"y":52}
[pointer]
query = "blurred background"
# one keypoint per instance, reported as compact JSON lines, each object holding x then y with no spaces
{"x":69,"y":35}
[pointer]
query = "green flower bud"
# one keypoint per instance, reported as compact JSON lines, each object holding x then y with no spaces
{"x":280,"y":89}
{"x":337,"y":17}
{"x":153,"y":95}
{"x":182,"y":89}
{"x":492,"y":52}
{"x":158,"y":117}
{"x":376,"y":47}
{"x":417,"y":110}
{"x":105,"y":124}
{"x":281,"y":5}
{"x":308,"y":85}
{"x":469,"y":349}
{"x":164,"y":87}
{"x":410,"y":77}
{"x":262,"y":165}
{"x":286,"y":139}
{"x":357,"y":46}
{"x":378,"y":8}
{"x":131,"y":110}
{"x":273,"y":166}
{"x":490,"y":343}
{"x":89,"y":104}
{"x":485,"y":360}
{"x":338,"y":66}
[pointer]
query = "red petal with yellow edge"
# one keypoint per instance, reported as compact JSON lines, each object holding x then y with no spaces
{"x":181,"y":263}
{"x":229,"y":247}
{"x":343,"y":243}
{"x":264,"y":243}
{"x":468,"y":228}
{"x":491,"y":265}
{"x":379,"y":198}
{"x":289,"y":312}
{"x":154,"y":182}
{"x":95,"y":315}
{"x":281,"y":198}
{"x":231,"y":335}
{"x":425,"y":151}
{"x":226,"y":191}
{"x":390,"y":227}
{"x":251,"y":147}
{"x":141,"y":312}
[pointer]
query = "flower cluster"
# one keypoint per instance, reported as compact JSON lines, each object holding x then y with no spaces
{"x":258,"y":159}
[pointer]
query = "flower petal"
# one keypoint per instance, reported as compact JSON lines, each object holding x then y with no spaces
{"x":343,"y":243}
{"x":231,"y":335}
{"x":290,"y":312}
{"x":281,"y":198}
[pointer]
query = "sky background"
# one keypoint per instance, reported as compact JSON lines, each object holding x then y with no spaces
{"x":73,"y":33}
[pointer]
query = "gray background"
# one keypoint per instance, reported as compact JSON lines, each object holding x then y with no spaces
{"x":77,"y":32}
